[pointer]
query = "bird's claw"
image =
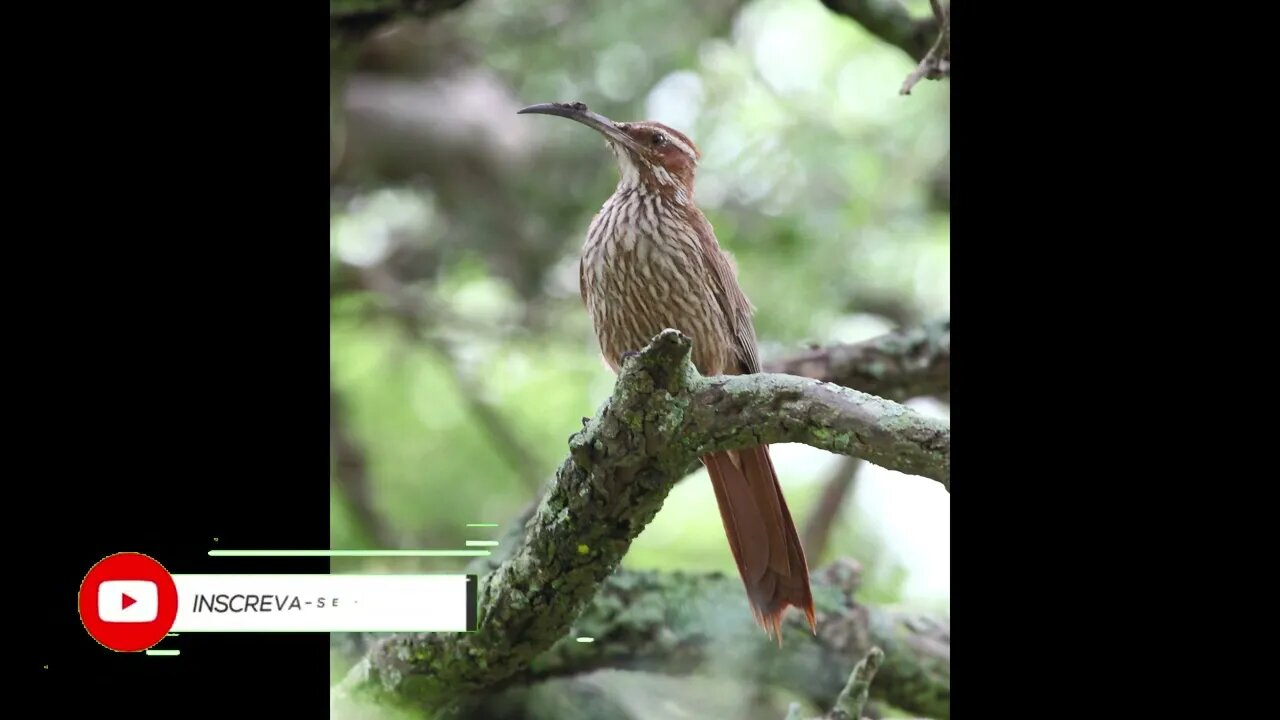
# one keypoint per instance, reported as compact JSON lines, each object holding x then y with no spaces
{"x":627,"y":356}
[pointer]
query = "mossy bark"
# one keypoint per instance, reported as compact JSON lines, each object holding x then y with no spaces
{"x":679,"y":623}
{"x":621,"y":466}
{"x":899,"y":365}
{"x":697,"y":624}
{"x":733,"y":412}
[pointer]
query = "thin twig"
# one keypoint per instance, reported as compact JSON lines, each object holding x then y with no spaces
{"x":936,"y":64}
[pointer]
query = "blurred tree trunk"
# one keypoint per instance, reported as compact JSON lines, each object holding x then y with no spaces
{"x":350,"y":23}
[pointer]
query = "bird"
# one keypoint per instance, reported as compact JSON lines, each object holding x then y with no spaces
{"x":651,"y":261}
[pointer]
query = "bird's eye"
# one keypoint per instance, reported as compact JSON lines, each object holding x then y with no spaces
{"x":659,"y":139}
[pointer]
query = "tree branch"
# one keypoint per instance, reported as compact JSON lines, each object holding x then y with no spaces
{"x":899,"y":365}
{"x":854,"y":696}
{"x":622,"y":464}
{"x":681,"y":624}
{"x":350,"y":22}
{"x":927,"y":41}
{"x":936,"y":64}
{"x":890,"y":21}
{"x":733,"y":412}
{"x":364,"y":15}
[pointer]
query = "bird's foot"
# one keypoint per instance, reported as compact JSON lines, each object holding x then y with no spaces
{"x":627,"y":356}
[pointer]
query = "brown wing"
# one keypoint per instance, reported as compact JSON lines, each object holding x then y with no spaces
{"x":737,"y":308}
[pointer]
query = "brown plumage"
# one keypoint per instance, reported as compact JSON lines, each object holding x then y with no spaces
{"x":651,"y":261}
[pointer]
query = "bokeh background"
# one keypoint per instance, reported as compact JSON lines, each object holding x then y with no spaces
{"x":462,"y":358}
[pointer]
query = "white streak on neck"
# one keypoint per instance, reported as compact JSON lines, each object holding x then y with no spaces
{"x":667,"y":179}
{"x":629,"y":173}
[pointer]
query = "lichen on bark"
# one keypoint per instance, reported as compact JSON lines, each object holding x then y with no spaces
{"x":898,"y":366}
{"x":621,"y":466}
{"x":680,"y":623}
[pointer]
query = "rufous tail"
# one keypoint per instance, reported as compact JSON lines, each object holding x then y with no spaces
{"x":761,"y":535}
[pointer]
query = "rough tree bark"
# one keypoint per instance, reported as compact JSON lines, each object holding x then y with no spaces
{"x":661,"y":417}
{"x":681,"y":623}
{"x":898,"y":365}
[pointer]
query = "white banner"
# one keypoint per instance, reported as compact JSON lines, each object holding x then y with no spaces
{"x":325,"y":603}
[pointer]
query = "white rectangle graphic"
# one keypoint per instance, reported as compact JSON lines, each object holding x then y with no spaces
{"x":122,"y":601}
{"x":321,"y":603}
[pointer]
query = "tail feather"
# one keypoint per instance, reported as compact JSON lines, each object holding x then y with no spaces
{"x":762,"y":536}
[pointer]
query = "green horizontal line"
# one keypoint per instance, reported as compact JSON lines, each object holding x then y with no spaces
{"x":164,"y":652}
{"x":482,"y":543}
{"x":348,"y":553}
{"x":482,"y":524}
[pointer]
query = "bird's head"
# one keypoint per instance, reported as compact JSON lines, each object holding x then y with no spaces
{"x":648,"y":152}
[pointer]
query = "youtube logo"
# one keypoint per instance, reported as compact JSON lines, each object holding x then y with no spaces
{"x":128,"y":602}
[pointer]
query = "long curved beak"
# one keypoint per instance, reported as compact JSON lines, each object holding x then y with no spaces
{"x":579,"y":112}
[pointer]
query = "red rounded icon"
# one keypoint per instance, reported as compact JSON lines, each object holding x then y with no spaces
{"x":128,"y":602}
